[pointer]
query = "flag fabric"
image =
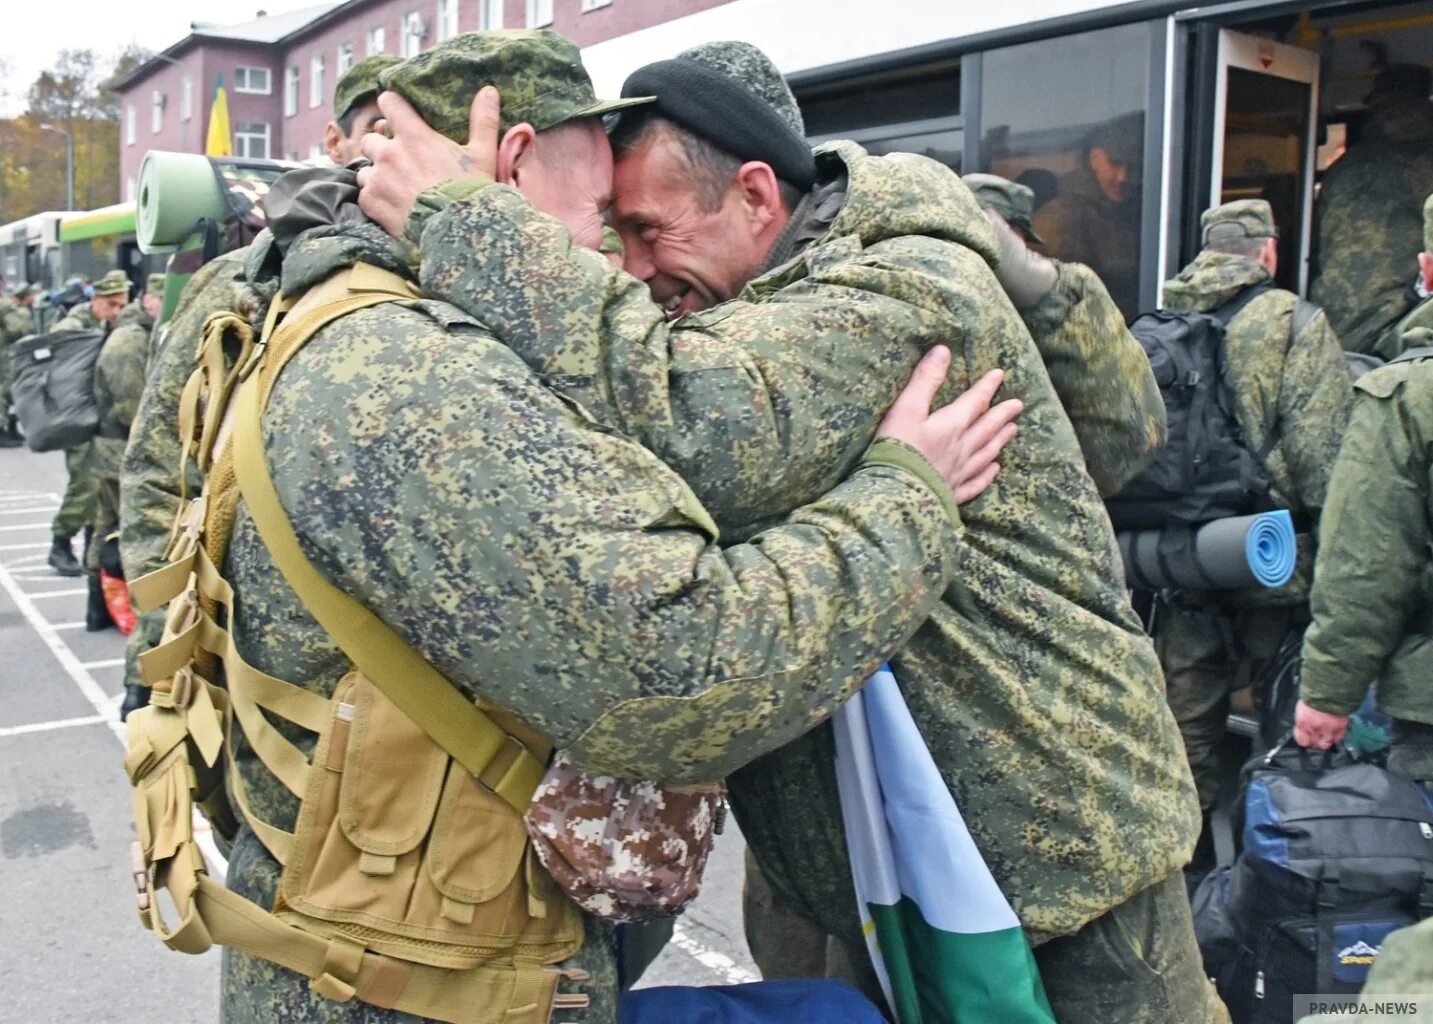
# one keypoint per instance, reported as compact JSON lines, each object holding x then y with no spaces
{"x":219,"y":141}
{"x":945,"y":942}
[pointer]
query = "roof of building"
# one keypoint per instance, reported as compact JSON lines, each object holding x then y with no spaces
{"x":269,"y":28}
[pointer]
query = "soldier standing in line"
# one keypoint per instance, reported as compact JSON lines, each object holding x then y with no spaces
{"x":15,"y":323}
{"x":1368,"y":211}
{"x":1420,"y":296}
{"x":1082,"y":337}
{"x":119,"y":382}
{"x":1373,"y":584}
{"x":111,"y":294}
{"x":1291,"y":394}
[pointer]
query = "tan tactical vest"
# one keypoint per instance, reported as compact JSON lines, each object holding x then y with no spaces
{"x":409,"y":882}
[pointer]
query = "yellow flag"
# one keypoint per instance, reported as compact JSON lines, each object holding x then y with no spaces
{"x":219,"y":141}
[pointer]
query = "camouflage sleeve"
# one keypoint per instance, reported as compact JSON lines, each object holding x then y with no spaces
{"x":149,"y":475}
{"x":1315,"y":393}
{"x":119,"y":375}
{"x":564,"y":573}
{"x":759,"y":405}
{"x":1101,"y":374}
{"x":1373,"y":546}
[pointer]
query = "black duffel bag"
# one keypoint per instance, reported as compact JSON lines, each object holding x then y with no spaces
{"x":1335,"y":855}
{"x":52,"y":379}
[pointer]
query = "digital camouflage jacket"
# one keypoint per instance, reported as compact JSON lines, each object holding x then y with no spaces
{"x":1295,"y":390}
{"x":1370,"y":223}
{"x":1373,"y":589}
{"x":553,"y":566}
{"x":1038,"y":693}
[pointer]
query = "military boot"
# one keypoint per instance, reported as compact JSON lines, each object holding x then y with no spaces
{"x":62,"y":558}
{"x":135,"y":697}
{"x":96,"y":611}
{"x":10,"y":433}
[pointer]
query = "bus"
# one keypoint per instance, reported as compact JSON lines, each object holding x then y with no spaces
{"x":98,"y":241}
{"x":30,"y":250}
{"x":1209,"y":102}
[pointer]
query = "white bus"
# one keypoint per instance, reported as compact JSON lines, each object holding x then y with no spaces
{"x":1238,"y":99}
{"x":30,"y":250}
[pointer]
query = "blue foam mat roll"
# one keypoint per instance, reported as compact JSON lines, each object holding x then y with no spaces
{"x":1235,"y":553}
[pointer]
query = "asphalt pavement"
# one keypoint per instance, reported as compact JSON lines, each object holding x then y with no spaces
{"x":70,"y":938}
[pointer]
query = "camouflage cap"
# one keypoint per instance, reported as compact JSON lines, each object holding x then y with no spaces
{"x":1011,"y":202}
{"x":1243,"y":218}
{"x":114,"y":282}
{"x":359,"y":84}
{"x":753,"y":69}
{"x":539,"y":74}
{"x":1428,"y":224}
{"x":154,"y":284}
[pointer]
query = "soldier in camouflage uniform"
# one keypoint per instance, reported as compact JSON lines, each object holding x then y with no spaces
{"x":800,"y":293}
{"x":111,"y":293}
{"x":119,"y":382}
{"x":1373,"y":584}
{"x":1292,"y":390}
{"x":1368,"y":212}
{"x":355,"y":108}
{"x":1100,"y":372}
{"x":491,"y":523}
{"x":15,"y":323}
{"x":1393,"y":341}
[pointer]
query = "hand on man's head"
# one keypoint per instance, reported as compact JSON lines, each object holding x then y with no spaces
{"x":410,"y":157}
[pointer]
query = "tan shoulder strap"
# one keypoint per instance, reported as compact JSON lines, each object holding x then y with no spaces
{"x":499,"y":760}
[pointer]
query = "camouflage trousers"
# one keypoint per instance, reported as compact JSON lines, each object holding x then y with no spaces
{"x":105,"y":456}
{"x":77,"y":509}
{"x":255,"y":991}
{"x":1410,"y":750}
{"x":1207,"y":652}
{"x":1136,"y":964}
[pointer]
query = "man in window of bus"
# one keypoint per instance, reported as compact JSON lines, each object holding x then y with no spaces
{"x":1094,"y":218}
{"x":1369,"y":214}
{"x":111,"y":294}
{"x":1082,"y":337}
{"x":355,"y":108}
{"x":767,"y":319}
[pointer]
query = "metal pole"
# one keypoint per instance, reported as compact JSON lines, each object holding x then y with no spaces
{"x":70,"y":169}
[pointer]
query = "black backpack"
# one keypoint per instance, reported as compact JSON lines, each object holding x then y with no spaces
{"x":1204,"y":471}
{"x":52,"y":378}
{"x":1335,"y":856}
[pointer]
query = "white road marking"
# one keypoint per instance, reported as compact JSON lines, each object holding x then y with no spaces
{"x":51,"y":593}
{"x":27,"y":526}
{"x":106,"y":663}
{"x":63,"y":723}
{"x":23,"y":511}
{"x":718,"y":963}
{"x":20,"y":563}
{"x":25,"y":547}
{"x":60,"y":627}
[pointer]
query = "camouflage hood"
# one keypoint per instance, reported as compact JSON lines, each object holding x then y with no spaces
{"x":318,"y":229}
{"x":1402,"y":120}
{"x":893,"y":196}
{"x":1212,"y":280}
{"x":134,"y":314}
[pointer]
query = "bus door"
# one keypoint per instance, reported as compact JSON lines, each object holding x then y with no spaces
{"x":1265,"y":118}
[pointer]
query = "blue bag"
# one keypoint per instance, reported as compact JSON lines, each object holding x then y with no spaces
{"x":814,"y":1001}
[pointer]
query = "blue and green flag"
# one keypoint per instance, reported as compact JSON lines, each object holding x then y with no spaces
{"x":944,"y":940}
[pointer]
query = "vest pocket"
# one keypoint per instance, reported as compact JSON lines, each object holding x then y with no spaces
{"x":399,"y":847}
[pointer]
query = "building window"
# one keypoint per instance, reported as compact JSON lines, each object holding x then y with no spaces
{"x":376,"y":43}
{"x":130,"y":189}
{"x":251,"y":140}
{"x":186,"y":98}
{"x":345,"y":59}
{"x":130,"y":120}
{"x":411,"y":39}
{"x":592,"y":5}
{"x":539,"y":13}
{"x":315,"y":151}
{"x":291,"y":91}
{"x":247,"y":79}
{"x":315,"y":81}
{"x":490,"y":15}
{"x":447,"y":19}
{"x":157,"y":116}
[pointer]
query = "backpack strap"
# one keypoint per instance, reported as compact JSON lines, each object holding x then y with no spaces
{"x":500,"y":761}
{"x":1304,"y":313}
{"x":1413,"y":355}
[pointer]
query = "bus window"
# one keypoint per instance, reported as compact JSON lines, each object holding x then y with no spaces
{"x":1066,"y":117}
{"x":906,"y":111}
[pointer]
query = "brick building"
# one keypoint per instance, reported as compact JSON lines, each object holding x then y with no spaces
{"x":279,"y":70}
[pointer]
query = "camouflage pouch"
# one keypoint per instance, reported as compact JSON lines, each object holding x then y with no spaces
{"x":623,"y":849}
